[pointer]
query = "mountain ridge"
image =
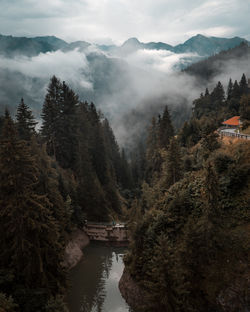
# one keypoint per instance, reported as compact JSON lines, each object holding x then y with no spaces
{"x":10,"y":46}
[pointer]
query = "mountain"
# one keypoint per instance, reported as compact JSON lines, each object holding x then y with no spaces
{"x":207,"y":45}
{"x":202,"y":46}
{"x":216,"y":64}
{"x":12,"y":46}
{"x":199,"y":44}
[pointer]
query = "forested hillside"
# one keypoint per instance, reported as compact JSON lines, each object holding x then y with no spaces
{"x":183,"y":192}
{"x":51,"y":180}
{"x":190,"y":224}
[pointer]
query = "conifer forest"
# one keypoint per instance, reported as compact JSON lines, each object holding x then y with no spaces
{"x":124,"y":168}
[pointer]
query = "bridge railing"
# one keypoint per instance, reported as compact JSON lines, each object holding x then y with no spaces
{"x":234,"y":134}
{"x":103,"y":223}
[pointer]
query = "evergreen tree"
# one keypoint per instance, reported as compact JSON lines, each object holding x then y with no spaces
{"x":66,"y":130}
{"x":153,"y":158}
{"x":7,"y":304}
{"x":25,"y":121}
{"x":212,"y":190}
{"x":125,"y":175}
{"x":172,"y":168}
{"x":243,"y":84}
{"x":218,"y":95}
{"x":28,"y":233}
{"x":97,"y":148}
{"x":166,"y":130}
{"x":236,"y":90}
{"x":51,"y":115}
{"x":230,"y":89}
{"x":245,"y":107}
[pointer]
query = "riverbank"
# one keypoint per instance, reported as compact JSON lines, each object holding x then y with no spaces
{"x":133,"y":294}
{"x":94,"y":280}
{"x":73,"y":250}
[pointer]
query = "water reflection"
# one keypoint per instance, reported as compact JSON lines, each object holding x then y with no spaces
{"x":94,"y":281}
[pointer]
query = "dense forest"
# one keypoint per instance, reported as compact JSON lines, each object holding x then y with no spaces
{"x":51,"y":180}
{"x":190,"y":246}
{"x":184,"y":194}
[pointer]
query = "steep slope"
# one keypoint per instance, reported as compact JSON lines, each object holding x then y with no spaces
{"x":207,"y":45}
{"x":216,"y":64}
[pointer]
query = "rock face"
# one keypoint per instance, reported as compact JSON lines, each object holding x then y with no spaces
{"x":131,"y":292}
{"x":233,"y":298}
{"x":73,"y":251}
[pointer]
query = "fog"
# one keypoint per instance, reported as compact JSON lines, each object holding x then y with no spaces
{"x":129,"y":91}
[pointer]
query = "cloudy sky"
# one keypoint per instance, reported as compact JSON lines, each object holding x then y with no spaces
{"x":106,"y":21}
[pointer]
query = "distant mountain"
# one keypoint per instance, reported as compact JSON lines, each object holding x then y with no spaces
{"x":12,"y":46}
{"x":199,"y":44}
{"x":215,"y":65}
{"x":202,"y":46}
{"x":207,"y":45}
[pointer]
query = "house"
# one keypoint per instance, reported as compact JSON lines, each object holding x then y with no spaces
{"x":231,"y":128}
{"x":233,"y":122}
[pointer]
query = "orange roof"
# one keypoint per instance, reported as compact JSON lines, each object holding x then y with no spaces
{"x":234,"y":121}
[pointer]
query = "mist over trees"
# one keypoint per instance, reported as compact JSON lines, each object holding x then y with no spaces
{"x":50,"y":182}
{"x":188,"y":249}
{"x":183,"y":193}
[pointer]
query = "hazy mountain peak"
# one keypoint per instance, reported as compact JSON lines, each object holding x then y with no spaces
{"x":131,"y":41}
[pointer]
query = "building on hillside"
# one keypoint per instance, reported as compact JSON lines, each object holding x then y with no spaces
{"x":231,"y":128}
{"x":233,"y":122}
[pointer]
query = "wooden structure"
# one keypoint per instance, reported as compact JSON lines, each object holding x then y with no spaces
{"x":112,"y":233}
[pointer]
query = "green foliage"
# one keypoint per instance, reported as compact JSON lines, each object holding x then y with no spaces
{"x":82,"y":141}
{"x":56,"y":304}
{"x":245,"y":107}
{"x":29,"y":237}
{"x":25,"y":121}
{"x":172,"y":168}
{"x":183,"y":250}
{"x":7,"y":304}
{"x":165,"y":129}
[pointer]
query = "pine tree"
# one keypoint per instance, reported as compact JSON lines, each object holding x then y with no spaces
{"x":67,"y":128}
{"x":152,"y":151}
{"x":25,"y":121}
{"x":125,"y":175}
{"x":28,"y":233}
{"x":243,"y":84}
{"x":218,"y":95}
{"x":172,"y":168}
{"x":97,"y":147}
{"x":212,"y":191}
{"x":245,"y":107}
{"x":166,"y":130}
{"x":112,"y":150}
{"x":236,"y":90}
{"x":51,"y":115}
{"x":230,"y":89}
{"x":48,"y":183}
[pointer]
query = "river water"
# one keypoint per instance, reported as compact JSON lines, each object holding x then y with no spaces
{"x":94,"y":281}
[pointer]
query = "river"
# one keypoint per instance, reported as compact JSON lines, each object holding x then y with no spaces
{"x":94,"y":281}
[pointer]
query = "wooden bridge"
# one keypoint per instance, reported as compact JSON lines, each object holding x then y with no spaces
{"x":107,"y":232}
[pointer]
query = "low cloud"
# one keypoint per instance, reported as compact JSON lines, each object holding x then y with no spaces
{"x":71,"y":66}
{"x":158,"y":60}
{"x":129,"y":91}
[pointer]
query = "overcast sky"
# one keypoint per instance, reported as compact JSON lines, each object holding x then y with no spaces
{"x":106,"y":21}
